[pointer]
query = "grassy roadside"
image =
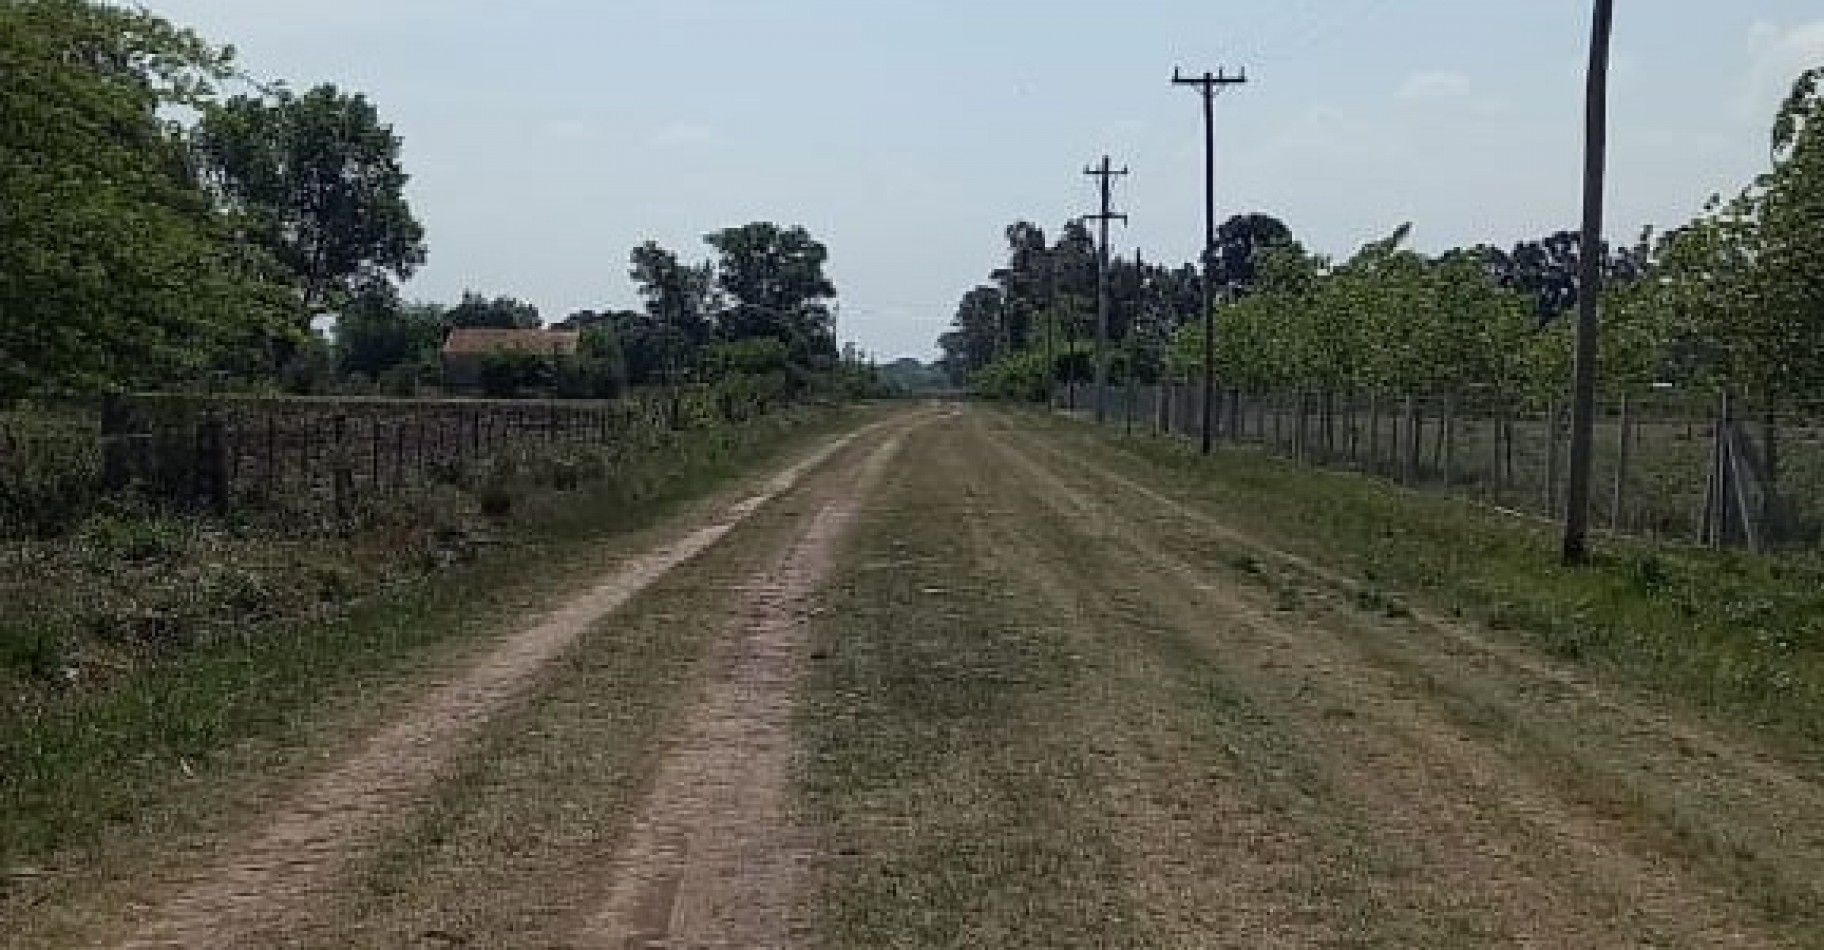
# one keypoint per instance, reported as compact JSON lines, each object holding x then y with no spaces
{"x":143,"y":750}
{"x":1736,"y":636}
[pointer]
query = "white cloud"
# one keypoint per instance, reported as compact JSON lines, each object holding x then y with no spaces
{"x":1436,"y":85}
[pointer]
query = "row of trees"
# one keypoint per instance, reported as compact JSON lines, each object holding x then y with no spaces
{"x":158,"y":232}
{"x":1734,"y":299}
{"x":760,"y":306}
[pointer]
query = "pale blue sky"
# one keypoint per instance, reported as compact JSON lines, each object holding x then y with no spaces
{"x":547,"y":137}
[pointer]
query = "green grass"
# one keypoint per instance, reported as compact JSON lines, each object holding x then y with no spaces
{"x":1739,"y":636}
{"x":957,"y":811}
{"x":76,"y":762}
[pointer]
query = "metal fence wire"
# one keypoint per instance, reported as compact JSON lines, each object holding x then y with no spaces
{"x":1697,"y":468}
{"x":311,"y":457}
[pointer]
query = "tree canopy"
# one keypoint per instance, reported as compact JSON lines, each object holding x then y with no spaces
{"x":115,"y":270}
{"x":318,"y":180}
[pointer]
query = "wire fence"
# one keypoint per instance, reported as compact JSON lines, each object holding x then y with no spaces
{"x":1694,"y":468}
{"x":299,"y":456}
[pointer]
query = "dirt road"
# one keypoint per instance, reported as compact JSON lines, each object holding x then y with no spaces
{"x":957,"y":681}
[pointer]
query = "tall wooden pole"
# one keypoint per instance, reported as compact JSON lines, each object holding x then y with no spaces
{"x":1210,"y":84}
{"x":1589,"y":293}
{"x":1105,"y":175}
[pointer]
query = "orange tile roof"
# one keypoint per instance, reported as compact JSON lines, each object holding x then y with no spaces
{"x":477,"y":341}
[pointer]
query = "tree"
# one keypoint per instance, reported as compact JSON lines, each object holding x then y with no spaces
{"x":376,"y":334}
{"x":1550,"y":269}
{"x":1788,"y":279}
{"x":500,"y":313}
{"x":775,"y":280}
{"x":680,"y":300}
{"x":974,"y":342}
{"x":1240,"y":242}
{"x":318,"y":179}
{"x":114,"y":269}
{"x":508,"y":374}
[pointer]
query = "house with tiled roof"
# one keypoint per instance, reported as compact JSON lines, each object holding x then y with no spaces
{"x":466,"y":349}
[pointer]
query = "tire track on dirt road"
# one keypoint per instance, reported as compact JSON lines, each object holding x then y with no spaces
{"x":1212,"y":852}
{"x":259,"y":889}
{"x":1740,"y":807}
{"x":713,"y":858}
{"x":1483,"y":839}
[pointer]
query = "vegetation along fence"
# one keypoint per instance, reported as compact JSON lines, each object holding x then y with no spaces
{"x":1695,"y":468}
{"x":313,"y":457}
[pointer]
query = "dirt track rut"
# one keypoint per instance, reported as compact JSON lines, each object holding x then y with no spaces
{"x":257,"y":892}
{"x":713,"y":859}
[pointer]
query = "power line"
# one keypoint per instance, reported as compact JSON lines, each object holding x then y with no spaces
{"x":1211,"y":85}
{"x":1105,"y":176}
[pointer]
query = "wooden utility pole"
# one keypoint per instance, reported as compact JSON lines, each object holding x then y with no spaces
{"x":1105,"y":175}
{"x":1211,"y":85}
{"x":1589,"y":293}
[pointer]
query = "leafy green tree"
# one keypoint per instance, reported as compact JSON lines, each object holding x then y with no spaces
{"x":1548,"y":270}
{"x":499,"y":313}
{"x":377,"y":333}
{"x":510,"y":374}
{"x":114,"y":269}
{"x":976,"y":340}
{"x":1240,"y":243}
{"x":680,"y":307}
{"x":319,"y":181}
{"x":777,"y":289}
{"x":1788,"y":280}
{"x":599,"y":369}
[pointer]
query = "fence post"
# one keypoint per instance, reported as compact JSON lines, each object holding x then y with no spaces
{"x":1499,"y":429}
{"x":1715,"y":508}
{"x":1413,"y":443}
{"x":341,"y":471}
{"x":1552,"y":461}
{"x":1352,"y":433}
{"x":1447,"y":441}
{"x":399,"y":430}
{"x":1374,"y":431}
{"x":1624,"y":449}
{"x":273,"y":459}
{"x":116,"y":455}
{"x":212,"y":462}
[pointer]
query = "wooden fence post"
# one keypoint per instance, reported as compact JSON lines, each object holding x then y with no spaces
{"x":1447,"y":441}
{"x":273,"y":458}
{"x":341,"y":472}
{"x":1552,"y":461}
{"x":212,"y":462}
{"x":1352,"y":431}
{"x":399,"y":430}
{"x":1624,"y":449}
{"x":116,"y":454}
{"x":1413,"y":444}
{"x":1499,"y":431}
